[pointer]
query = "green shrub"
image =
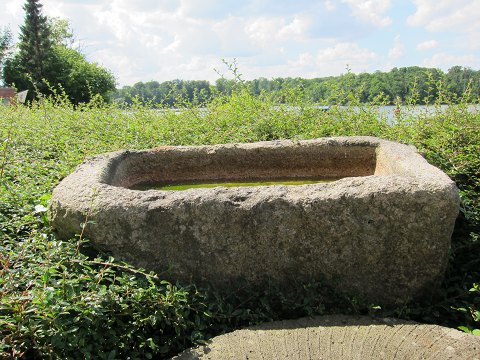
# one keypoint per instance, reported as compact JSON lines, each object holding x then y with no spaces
{"x":63,"y":300}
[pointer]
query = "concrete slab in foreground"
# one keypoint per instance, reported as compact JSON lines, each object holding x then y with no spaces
{"x":340,"y":337}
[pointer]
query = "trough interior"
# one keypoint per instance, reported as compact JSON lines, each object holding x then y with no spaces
{"x":171,"y":165}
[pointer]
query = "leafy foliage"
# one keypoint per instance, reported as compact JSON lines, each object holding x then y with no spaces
{"x":166,"y":94}
{"x":63,"y":300}
{"x":35,"y":60}
{"x":81,"y":80}
{"x":45,"y":61}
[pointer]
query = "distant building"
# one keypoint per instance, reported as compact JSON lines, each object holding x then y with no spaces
{"x":7,"y":95}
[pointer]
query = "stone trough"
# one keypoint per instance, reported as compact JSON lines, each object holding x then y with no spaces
{"x":380,"y":232}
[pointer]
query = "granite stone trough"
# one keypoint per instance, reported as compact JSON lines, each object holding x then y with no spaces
{"x":381,"y":231}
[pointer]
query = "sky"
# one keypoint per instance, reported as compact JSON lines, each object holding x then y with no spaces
{"x":143,"y":40}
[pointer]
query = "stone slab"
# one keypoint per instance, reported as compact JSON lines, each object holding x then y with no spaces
{"x":339,"y":337}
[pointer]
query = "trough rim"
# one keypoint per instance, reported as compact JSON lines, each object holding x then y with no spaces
{"x":94,"y":173}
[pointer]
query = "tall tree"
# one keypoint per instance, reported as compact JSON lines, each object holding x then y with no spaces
{"x":35,"y":60}
{"x":35,"y":44}
{"x":45,"y":60}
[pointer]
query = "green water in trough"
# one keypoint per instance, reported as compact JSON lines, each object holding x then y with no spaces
{"x":185,"y":186}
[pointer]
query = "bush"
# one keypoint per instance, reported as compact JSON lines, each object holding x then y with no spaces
{"x":64,"y":300}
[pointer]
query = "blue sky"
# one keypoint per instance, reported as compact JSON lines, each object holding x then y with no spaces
{"x":142,"y":40}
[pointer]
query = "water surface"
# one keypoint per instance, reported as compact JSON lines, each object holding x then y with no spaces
{"x":185,"y":186}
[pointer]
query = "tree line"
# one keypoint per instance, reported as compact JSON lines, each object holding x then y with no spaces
{"x":414,"y":84}
{"x":168,"y":93}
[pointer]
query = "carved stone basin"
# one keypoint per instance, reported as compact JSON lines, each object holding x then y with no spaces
{"x":381,"y":232}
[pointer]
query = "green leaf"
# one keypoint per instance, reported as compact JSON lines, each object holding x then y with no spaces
{"x":237,"y":312}
{"x":464,"y":329}
{"x":111,"y":355}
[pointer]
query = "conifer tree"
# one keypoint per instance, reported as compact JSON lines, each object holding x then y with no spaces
{"x":35,"y":45}
{"x":35,"y":60}
{"x":44,"y":61}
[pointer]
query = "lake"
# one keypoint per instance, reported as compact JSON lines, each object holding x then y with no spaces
{"x":388,"y":111}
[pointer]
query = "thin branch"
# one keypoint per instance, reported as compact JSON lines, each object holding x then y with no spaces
{"x":122,"y":267}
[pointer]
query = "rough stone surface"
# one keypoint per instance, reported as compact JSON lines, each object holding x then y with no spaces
{"x":340,"y":337}
{"x":382,"y":232}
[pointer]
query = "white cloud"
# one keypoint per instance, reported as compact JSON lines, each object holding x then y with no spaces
{"x":445,"y":61}
{"x":348,"y":53}
{"x":297,"y":29}
{"x":335,"y":59}
{"x":123,"y":65}
{"x":211,"y":9}
{"x":11,"y":16}
{"x":460,"y":17}
{"x":14,"y":8}
{"x":427,"y":45}
{"x":444,"y":15}
{"x":371,"y":11}
{"x":233,"y":38}
{"x":329,"y":5}
{"x":397,"y":50}
{"x":265,"y":30}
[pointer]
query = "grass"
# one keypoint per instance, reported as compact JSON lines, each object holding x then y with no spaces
{"x":64,"y":300}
